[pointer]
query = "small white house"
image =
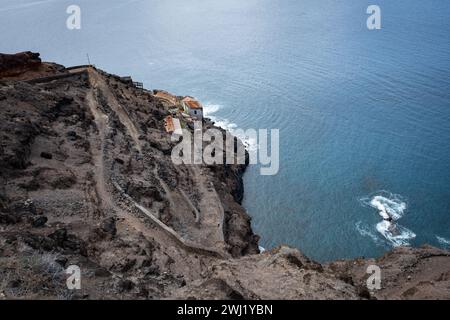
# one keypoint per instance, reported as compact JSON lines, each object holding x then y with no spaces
{"x":173,"y":125}
{"x":192,"y":107}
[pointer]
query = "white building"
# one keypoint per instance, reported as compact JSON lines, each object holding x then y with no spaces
{"x":192,"y":107}
{"x":173,"y":125}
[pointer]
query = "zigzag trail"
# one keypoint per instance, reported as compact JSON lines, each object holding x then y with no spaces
{"x":203,"y":238}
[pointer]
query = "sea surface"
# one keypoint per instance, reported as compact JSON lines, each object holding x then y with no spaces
{"x":364,"y":115}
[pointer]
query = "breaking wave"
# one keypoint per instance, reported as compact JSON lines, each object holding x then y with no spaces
{"x":444,"y":242}
{"x":366,"y":231}
{"x":211,"y":108}
{"x":209,"y":111}
{"x":391,"y":207}
{"x":397,"y":235}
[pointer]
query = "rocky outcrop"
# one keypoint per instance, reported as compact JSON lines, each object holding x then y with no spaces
{"x":14,"y":64}
{"x":406,"y":273}
{"x":25,"y":65}
{"x":87,"y":180}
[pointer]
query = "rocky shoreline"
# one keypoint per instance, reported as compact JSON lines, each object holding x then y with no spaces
{"x":87,"y":180}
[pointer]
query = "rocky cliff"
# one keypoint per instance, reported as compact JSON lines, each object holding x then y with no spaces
{"x":87,"y":179}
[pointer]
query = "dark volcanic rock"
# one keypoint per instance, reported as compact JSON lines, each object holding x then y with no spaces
{"x":125,"y":285}
{"x":16,"y":153}
{"x":46,"y":155}
{"x":61,"y":239}
{"x":12,"y":64}
{"x":39,"y":221}
{"x":59,"y":236}
{"x":39,"y":242}
{"x":9,"y":218}
{"x":108,"y":227}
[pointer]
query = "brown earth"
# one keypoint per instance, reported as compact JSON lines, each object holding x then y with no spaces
{"x":87,"y":179}
{"x":26,"y":65}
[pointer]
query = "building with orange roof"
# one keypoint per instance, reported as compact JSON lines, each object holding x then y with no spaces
{"x":172,"y":125}
{"x":192,"y":107}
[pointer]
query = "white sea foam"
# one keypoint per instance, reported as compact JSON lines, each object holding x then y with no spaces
{"x":391,"y":207}
{"x":366,"y":231}
{"x":444,"y":242}
{"x":397,"y":235}
{"x":209,"y":111}
{"x":261,"y":249}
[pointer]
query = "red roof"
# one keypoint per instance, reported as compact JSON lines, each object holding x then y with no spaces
{"x":192,"y":103}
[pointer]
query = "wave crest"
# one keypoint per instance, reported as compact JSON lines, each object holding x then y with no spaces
{"x":210,"y":108}
{"x":397,"y":235}
{"x":366,"y":231}
{"x":391,"y":207}
{"x":444,"y":242}
{"x":209,"y":111}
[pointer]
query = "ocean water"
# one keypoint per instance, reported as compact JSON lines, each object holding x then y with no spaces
{"x":364,"y":116}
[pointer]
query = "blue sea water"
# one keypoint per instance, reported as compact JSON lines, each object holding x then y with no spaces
{"x":364,"y":116}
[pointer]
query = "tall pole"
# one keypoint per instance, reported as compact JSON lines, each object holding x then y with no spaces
{"x":89,"y":60}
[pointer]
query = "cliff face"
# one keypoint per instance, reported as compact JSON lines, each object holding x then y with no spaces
{"x":87,"y":179}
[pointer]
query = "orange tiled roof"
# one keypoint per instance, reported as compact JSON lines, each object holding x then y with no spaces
{"x":192,"y":103}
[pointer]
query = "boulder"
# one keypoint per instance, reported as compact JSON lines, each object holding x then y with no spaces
{"x":46,"y":155}
{"x":38,"y":222}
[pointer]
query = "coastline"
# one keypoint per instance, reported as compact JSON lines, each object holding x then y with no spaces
{"x":87,"y":180}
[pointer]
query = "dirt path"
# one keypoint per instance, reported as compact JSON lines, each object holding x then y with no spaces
{"x":106,"y":201}
{"x":120,"y":111}
{"x":97,"y":151}
{"x":212,"y":212}
{"x":202,"y":227}
{"x":180,"y":206}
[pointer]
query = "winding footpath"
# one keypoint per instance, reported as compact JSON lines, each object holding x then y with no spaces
{"x":203,"y":238}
